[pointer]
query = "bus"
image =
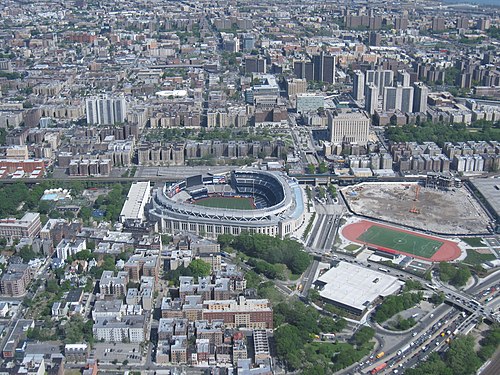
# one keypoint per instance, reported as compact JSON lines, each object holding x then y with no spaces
{"x":430,"y":286}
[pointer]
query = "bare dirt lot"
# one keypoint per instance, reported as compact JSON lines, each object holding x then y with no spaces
{"x":446,"y":212}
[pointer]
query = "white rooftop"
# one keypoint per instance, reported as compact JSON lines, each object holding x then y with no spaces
{"x":137,"y":197}
{"x":356,"y":286}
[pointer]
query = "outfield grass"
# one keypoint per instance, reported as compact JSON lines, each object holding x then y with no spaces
{"x":474,"y":257}
{"x":473,"y":241}
{"x":227,"y":202}
{"x":400,"y":241}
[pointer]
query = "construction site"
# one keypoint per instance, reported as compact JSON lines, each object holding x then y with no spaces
{"x":454,"y":211}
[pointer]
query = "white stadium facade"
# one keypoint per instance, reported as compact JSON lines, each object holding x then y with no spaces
{"x":278,"y":205}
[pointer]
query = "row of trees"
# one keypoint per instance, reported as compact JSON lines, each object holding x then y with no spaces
{"x":395,"y":304}
{"x":197,"y":268}
{"x":298,"y":324}
{"x":460,"y":359}
{"x":321,"y":168}
{"x":455,"y":275}
{"x":439,"y":133}
{"x":273,"y":250}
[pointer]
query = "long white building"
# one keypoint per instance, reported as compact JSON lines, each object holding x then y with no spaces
{"x":137,"y":198}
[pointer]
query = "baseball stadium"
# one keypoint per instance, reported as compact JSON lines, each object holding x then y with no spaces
{"x":243,"y":200}
{"x":399,"y":241}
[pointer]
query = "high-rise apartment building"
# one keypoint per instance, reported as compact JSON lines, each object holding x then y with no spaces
{"x":398,"y":98}
{"x":421,"y":92}
{"x":106,"y":110}
{"x":322,"y":68}
{"x":371,"y":99}
{"x":403,"y":77}
{"x":358,"y":85}
{"x":380,"y":77}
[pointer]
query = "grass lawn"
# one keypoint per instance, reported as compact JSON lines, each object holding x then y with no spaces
{"x":474,"y":257}
{"x":474,"y":241}
{"x":352,"y":247}
{"x":226,"y":202}
{"x":318,"y":352}
{"x":400,"y":241}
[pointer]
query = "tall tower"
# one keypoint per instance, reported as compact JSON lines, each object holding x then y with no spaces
{"x":421,"y":92}
{"x":406,"y":99}
{"x":358,"y":85}
{"x":371,"y":102}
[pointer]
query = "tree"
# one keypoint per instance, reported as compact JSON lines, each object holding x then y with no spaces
{"x":461,"y":357}
{"x":310,"y":169}
{"x":85,"y":213}
{"x":199,"y":268}
{"x":322,"y":167}
{"x":437,"y":298}
{"x":27,"y":254}
{"x":363,"y":335}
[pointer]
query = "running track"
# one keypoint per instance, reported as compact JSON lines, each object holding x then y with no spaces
{"x":448,"y":251}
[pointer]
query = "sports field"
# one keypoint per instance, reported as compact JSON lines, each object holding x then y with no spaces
{"x":401,"y":241}
{"x":227,"y":202}
{"x":395,"y":240}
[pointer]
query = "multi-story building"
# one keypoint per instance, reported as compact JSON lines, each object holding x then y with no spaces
{"x":348,"y":126}
{"x":245,"y":313}
{"x":106,"y":110}
{"x":371,"y":98}
{"x":420,"y":94}
{"x":142,"y":264}
{"x":28,"y":226}
{"x":358,"y":83}
{"x":15,"y":280}
{"x":66,"y":248}
{"x":111,"y":285}
{"x":132,"y":328}
{"x":309,"y":102}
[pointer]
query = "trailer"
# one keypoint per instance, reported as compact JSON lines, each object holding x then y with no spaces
{"x":378,"y":368}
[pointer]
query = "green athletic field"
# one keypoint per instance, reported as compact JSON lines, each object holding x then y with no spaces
{"x":227,"y":202}
{"x":400,"y":241}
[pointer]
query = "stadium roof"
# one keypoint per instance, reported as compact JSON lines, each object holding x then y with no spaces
{"x":356,"y":287}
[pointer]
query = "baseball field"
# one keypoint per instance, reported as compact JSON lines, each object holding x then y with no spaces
{"x":227,"y":202}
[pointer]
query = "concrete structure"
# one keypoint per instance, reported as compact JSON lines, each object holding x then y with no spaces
{"x":137,"y":198}
{"x":280,"y":199}
{"x":355,"y":288}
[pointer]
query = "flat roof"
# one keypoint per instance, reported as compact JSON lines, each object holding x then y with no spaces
{"x":490,"y":190}
{"x":356,"y":286}
{"x":133,"y":208}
